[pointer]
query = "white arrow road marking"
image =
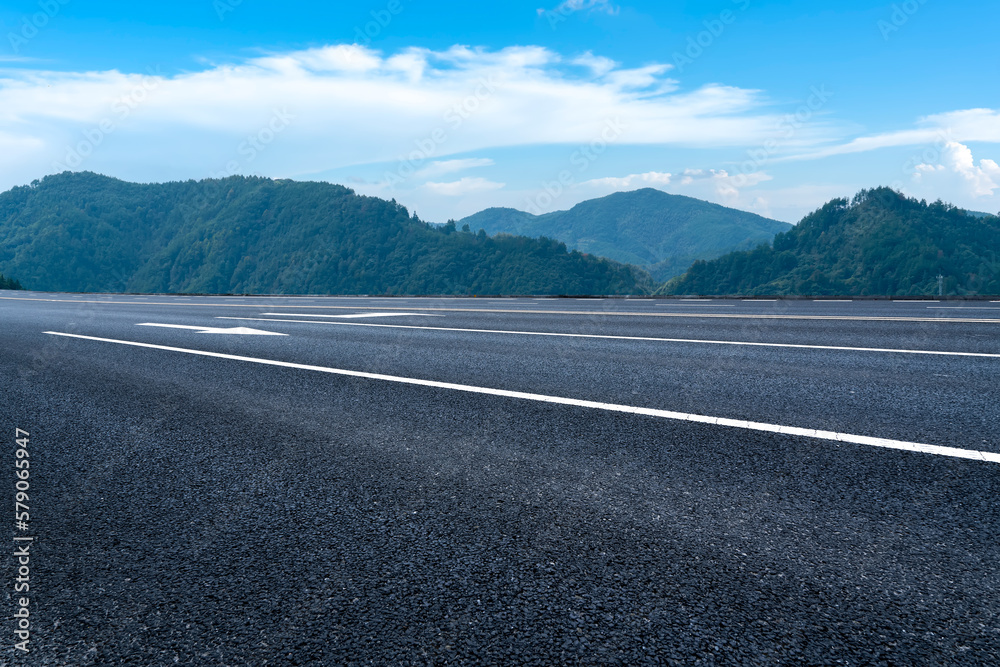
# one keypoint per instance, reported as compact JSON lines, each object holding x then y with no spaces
{"x":243,"y":331}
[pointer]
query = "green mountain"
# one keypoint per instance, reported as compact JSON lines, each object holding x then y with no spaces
{"x":881,"y":243}
{"x":86,"y":232}
{"x":661,"y":232}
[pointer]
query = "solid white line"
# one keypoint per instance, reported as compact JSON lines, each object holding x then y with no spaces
{"x":354,"y":316}
{"x":608,"y":337}
{"x":595,"y":405}
{"x":700,"y":305}
{"x":833,"y":300}
{"x":915,"y":301}
{"x":963,"y":307}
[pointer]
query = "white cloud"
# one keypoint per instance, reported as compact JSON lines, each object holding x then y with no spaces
{"x":650,"y":179}
{"x":462,"y":187}
{"x":725,"y":184}
{"x":716,"y":184}
{"x":337,"y":58}
{"x":350,"y":106}
{"x":441,"y":167}
{"x":570,"y":6}
{"x":599,"y":65}
{"x":979,"y":180}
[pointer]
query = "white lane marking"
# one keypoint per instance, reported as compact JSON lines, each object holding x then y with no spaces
{"x":239,"y":331}
{"x":595,"y":405}
{"x":353,"y":316}
{"x":635,"y":338}
{"x":915,"y":301}
{"x":700,"y":305}
{"x":759,"y":300}
{"x":833,"y":300}
{"x":963,"y":307}
{"x":588,"y":313}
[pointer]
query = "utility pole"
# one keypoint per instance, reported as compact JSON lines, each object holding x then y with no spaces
{"x":940,"y":285}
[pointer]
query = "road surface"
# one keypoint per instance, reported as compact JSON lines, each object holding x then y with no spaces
{"x":366,"y":481}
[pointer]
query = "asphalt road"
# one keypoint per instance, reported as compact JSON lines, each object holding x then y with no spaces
{"x":509,"y":482}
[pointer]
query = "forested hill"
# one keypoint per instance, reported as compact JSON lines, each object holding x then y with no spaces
{"x":881,"y":243}
{"x":86,"y":232}
{"x":661,"y":232}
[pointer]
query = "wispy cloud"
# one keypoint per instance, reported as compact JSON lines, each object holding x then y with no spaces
{"x":465,"y":186}
{"x":353,"y":105}
{"x":442,"y":167}
{"x":964,"y":125}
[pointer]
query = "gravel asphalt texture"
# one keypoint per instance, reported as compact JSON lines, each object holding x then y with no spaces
{"x":203,"y":511}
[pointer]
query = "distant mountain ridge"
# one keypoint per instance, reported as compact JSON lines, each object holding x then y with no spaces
{"x":661,"y":232}
{"x":880,"y":244}
{"x":90,"y":233}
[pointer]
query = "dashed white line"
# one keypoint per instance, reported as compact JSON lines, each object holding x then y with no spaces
{"x":609,"y":337}
{"x":594,"y":405}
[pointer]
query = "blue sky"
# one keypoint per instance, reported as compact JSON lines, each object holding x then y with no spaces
{"x":448,"y":107}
